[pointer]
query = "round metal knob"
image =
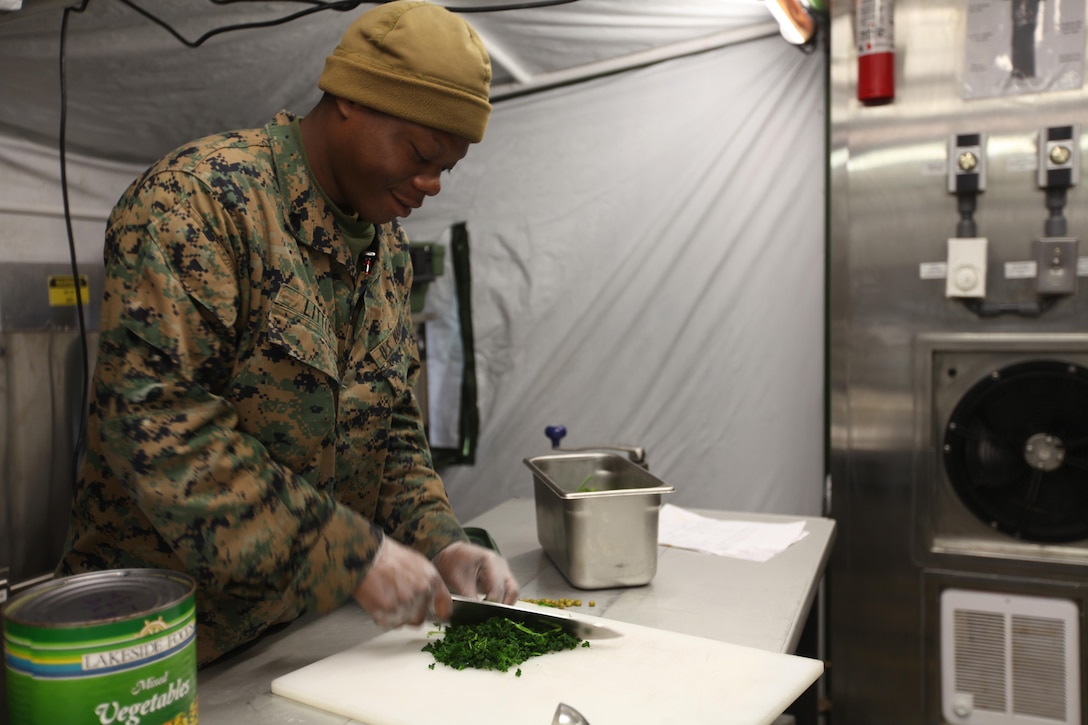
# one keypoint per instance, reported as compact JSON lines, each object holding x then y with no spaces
{"x":555,"y":433}
{"x":967,"y":161}
{"x":1060,"y":154}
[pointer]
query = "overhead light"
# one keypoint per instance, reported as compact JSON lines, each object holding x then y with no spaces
{"x":795,"y":21}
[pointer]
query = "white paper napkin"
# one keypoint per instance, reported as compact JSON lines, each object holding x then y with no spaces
{"x":750,"y":540}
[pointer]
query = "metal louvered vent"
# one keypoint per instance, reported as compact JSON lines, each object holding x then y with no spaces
{"x":980,"y":657}
{"x":1009,"y":659}
{"x":1038,"y":664}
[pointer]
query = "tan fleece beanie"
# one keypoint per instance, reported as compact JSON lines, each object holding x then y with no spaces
{"x":416,"y":61}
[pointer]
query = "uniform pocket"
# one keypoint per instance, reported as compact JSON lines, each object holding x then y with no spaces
{"x":299,"y":325}
{"x":397,"y":355}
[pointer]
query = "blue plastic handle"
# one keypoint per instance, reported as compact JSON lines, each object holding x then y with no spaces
{"x":555,"y":433}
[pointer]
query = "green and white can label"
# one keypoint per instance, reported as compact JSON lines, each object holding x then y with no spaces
{"x":113,"y":647}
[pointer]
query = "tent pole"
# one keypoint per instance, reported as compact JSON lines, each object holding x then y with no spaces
{"x":589,"y":71}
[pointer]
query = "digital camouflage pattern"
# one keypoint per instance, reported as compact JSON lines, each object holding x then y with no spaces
{"x":252,"y":420}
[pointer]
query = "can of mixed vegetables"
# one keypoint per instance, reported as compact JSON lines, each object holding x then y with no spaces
{"x":113,"y":647}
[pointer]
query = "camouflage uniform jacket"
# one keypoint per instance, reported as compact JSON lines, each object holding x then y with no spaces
{"x":252,"y":420}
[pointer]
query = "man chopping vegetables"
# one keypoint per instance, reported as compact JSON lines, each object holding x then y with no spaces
{"x":252,"y":418}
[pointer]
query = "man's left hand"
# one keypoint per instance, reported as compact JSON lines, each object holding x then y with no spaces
{"x":472,"y":570}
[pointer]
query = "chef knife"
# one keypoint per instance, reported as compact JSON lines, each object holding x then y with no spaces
{"x":467,"y":610}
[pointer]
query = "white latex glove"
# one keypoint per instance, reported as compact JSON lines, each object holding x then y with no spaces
{"x":472,"y":570}
{"x":402,"y":587}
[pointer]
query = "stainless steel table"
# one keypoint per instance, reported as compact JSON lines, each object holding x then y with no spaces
{"x":761,"y":605}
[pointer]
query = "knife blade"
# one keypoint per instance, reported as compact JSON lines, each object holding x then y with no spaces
{"x":467,"y":610}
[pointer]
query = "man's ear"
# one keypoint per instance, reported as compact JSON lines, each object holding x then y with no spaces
{"x":345,"y":107}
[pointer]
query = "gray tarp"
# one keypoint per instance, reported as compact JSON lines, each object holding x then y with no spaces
{"x":647,"y":246}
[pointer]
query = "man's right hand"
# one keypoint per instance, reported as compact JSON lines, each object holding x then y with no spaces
{"x":402,"y":587}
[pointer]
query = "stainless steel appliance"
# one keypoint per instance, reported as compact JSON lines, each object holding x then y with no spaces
{"x":958,"y":369}
{"x":41,"y":392}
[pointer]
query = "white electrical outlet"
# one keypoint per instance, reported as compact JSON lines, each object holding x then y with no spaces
{"x":966,"y":267}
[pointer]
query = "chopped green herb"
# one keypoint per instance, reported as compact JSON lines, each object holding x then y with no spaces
{"x":497,"y":644}
{"x":583,"y":488}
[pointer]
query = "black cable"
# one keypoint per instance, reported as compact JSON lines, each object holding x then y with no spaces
{"x":1055,"y":203}
{"x":343,"y":5}
{"x":316,"y":6}
{"x":451,"y":8}
{"x":966,"y":227}
{"x":1035,"y":308}
{"x":80,"y":442}
{"x":509,"y":6}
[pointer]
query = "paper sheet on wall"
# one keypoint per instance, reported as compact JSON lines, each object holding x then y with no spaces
{"x":737,"y":539}
{"x":1023,"y":46}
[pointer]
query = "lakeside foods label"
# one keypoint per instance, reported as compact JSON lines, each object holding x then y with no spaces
{"x":115,"y":670}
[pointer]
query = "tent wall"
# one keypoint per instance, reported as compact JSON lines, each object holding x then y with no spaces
{"x":647,"y":254}
{"x":648,"y":269}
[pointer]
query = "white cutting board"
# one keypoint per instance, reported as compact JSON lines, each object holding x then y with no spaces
{"x":646,"y":676}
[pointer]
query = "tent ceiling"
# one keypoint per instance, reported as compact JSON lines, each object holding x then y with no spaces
{"x":134,"y":91}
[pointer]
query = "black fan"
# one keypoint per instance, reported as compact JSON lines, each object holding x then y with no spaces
{"x":1016,"y":451}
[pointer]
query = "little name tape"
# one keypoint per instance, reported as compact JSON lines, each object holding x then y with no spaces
{"x":1027,"y":269}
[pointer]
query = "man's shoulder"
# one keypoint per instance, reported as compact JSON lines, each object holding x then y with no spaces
{"x":222,"y":154}
{"x":231,"y":166}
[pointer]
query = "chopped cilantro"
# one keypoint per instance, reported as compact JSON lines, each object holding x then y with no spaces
{"x":497,"y":644}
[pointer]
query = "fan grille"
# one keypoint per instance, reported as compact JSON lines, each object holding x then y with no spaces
{"x":1016,"y":450}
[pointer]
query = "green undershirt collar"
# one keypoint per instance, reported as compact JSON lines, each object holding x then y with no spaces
{"x":358,"y":233}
